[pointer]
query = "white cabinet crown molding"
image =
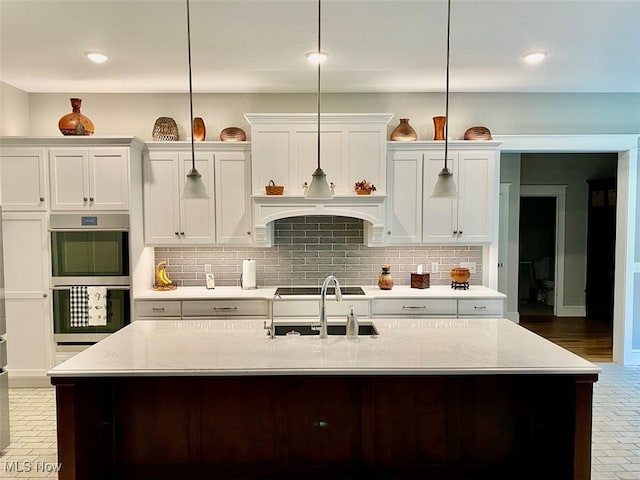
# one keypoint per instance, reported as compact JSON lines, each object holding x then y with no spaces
{"x":312,"y":118}
{"x":75,"y":141}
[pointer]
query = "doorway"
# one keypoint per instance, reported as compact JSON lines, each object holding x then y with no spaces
{"x":541,"y":249}
{"x":536,"y":273}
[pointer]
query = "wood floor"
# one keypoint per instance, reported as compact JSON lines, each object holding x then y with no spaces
{"x":591,"y":339}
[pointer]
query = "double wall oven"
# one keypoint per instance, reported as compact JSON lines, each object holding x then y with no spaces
{"x":89,"y":251}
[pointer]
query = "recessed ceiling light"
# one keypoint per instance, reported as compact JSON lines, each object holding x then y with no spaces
{"x":316,"y":57}
{"x":534,"y":57}
{"x":97,"y":57}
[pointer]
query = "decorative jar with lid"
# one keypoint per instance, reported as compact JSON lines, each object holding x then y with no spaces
{"x":385,"y":280}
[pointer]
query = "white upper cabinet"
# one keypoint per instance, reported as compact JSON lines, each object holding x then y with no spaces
{"x":170,"y":220}
{"x":223,"y":218}
{"x":233,"y":201}
{"x":285,"y":149}
{"x":404,"y":215}
{"x":89,"y":179}
{"x":23,"y":178}
{"x":413,"y":216}
{"x":472,"y":216}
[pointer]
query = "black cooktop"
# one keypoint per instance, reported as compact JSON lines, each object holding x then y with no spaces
{"x":316,"y":290}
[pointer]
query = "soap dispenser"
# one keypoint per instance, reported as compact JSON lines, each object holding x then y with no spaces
{"x":352,"y":325}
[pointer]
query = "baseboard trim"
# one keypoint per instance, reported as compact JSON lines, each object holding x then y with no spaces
{"x":29,"y":382}
{"x":572,"y":311}
{"x":513,"y":316}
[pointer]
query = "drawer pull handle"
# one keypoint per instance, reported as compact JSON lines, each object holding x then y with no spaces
{"x":414,"y":307}
{"x":479,"y":307}
{"x":157,"y":309}
{"x":225,"y":309}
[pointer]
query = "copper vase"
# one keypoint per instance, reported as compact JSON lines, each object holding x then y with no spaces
{"x":199,"y":130}
{"x":75,"y":123}
{"x":385,"y":280}
{"x":438,"y":127}
{"x":404,"y":132}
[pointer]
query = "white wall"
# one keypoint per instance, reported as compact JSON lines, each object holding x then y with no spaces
{"x":135,"y":114}
{"x":14,"y":111}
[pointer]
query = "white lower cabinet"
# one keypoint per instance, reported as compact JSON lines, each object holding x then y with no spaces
{"x":28,"y":310}
{"x":437,"y":308}
{"x":29,"y":337}
{"x":310,"y":309}
{"x":202,"y":309}
{"x":490,"y":308}
{"x":158,"y":310}
{"x":413,"y":308}
{"x":225,"y":309}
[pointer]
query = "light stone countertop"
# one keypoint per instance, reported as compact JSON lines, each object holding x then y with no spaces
{"x":242,"y":347}
{"x":233,"y":293}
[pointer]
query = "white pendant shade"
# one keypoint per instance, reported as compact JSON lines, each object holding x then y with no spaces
{"x":445,"y":186}
{"x":319,"y":188}
{"x":194,"y":187}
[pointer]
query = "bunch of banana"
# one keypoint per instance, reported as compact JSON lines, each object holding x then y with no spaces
{"x":162,"y":280}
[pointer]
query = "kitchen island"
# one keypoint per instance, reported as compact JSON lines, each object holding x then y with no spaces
{"x":426,"y":398}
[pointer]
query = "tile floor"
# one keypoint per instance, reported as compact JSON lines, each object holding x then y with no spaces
{"x":616,"y":429}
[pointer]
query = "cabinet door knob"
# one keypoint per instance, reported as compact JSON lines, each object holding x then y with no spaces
{"x":176,"y":233}
{"x":248,"y":233}
{"x":91,"y":199}
{"x":181,"y":233}
{"x":455,"y":232}
{"x":85,"y":199}
{"x":42,"y":199}
{"x":460,"y":232}
{"x":44,"y":295}
{"x":388,"y":232}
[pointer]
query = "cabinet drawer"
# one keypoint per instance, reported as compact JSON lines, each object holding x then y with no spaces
{"x":158,"y":309}
{"x":225,"y":308}
{"x":311,"y":308}
{"x":414,"y":307}
{"x":478,"y":307}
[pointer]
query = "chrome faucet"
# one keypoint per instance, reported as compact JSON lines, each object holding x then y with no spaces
{"x":272,"y":329}
{"x":323,"y":301}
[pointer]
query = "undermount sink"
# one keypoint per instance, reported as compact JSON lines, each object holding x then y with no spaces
{"x":283,"y":329}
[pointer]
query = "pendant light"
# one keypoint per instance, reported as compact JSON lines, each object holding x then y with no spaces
{"x":445,"y":186}
{"x":319,"y":188}
{"x":193,"y":188}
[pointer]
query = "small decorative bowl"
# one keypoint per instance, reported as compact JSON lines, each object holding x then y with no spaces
{"x":460,"y":275}
{"x":233,"y":134}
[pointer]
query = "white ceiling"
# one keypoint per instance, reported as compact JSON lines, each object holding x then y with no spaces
{"x":374,"y":45}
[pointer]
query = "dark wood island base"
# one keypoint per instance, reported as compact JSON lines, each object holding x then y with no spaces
{"x":520,"y":426}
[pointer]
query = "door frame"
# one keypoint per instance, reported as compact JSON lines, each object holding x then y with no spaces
{"x":559,"y":192}
{"x":628,"y":203}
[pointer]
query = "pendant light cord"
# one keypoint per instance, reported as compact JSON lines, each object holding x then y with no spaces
{"x":193,"y":149}
{"x":318,"y":89}
{"x":446,"y":96}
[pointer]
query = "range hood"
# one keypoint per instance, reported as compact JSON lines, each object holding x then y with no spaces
{"x":354,"y":148}
{"x":268,"y":208}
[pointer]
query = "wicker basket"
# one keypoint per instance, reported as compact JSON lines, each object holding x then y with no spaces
{"x":273,"y":189}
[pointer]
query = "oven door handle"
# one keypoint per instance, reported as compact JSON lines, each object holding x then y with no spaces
{"x":108,"y":287}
